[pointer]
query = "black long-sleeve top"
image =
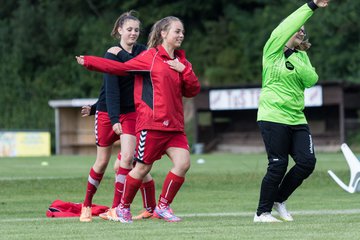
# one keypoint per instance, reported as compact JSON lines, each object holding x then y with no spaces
{"x":117,"y":92}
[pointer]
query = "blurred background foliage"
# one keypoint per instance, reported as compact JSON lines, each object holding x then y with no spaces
{"x":223,"y":40}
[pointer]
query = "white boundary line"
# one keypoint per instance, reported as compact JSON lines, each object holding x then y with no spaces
{"x":194,"y":215}
{"x":304,"y":213}
{"x":35,"y":178}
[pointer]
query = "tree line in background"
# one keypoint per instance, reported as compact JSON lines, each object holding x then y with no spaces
{"x":223,"y":40}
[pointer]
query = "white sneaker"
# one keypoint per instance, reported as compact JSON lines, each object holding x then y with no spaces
{"x":265,"y":217}
{"x":283,"y":213}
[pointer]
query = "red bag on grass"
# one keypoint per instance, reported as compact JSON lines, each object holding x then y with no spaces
{"x":63,"y":209}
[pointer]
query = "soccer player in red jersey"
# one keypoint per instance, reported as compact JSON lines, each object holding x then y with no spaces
{"x":115,"y":119}
{"x":162,"y":77}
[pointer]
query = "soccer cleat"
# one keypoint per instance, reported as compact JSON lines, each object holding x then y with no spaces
{"x":110,"y":215}
{"x":265,"y":217}
{"x":85,"y":215}
{"x":104,"y":215}
{"x":283,"y":213}
{"x":123,"y":215}
{"x":143,"y":215}
{"x":158,"y":217}
{"x":155,"y":215}
{"x":166,"y":214}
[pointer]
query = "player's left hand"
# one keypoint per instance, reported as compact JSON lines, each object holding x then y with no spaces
{"x":114,"y":50}
{"x":85,"y":111}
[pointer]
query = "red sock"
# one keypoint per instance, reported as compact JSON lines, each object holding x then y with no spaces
{"x":131,"y":186}
{"x":94,"y":180}
{"x":119,"y":185}
{"x":148,"y":195}
{"x":171,"y":186}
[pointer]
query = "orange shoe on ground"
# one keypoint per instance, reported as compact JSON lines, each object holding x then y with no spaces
{"x":143,"y":215}
{"x":109,"y":215}
{"x":85,"y":215}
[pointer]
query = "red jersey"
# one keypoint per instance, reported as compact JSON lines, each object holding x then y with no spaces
{"x":158,"y":88}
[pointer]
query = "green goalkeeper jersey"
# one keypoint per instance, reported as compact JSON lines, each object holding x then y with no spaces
{"x":285,"y":77}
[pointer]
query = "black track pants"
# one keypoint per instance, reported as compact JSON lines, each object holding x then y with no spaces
{"x":281,"y":141}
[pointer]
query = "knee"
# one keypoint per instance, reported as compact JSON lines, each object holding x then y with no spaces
{"x":276,"y":172}
{"x":127,"y":160}
{"x":181,"y":168}
{"x":305,"y":170}
{"x":101,"y":164}
{"x":142,"y":169}
{"x":127,"y":157}
{"x":186,"y":166}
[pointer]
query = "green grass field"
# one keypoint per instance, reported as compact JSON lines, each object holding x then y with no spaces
{"x":217,"y":201}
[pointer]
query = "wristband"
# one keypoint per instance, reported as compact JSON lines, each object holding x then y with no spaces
{"x":312,"y":5}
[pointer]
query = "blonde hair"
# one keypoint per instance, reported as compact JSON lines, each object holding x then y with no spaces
{"x":155,"y":38}
{"x":130,"y":15}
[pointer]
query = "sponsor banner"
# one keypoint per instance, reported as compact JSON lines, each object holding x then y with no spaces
{"x":248,"y":98}
{"x":24,"y":144}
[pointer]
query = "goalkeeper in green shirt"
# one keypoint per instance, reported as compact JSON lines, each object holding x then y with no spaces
{"x":287,"y":71}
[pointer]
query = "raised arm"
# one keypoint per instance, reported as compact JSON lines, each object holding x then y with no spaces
{"x":289,"y":26}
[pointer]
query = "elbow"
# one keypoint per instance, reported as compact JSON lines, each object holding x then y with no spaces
{"x":189,"y":93}
{"x":311,"y":82}
{"x":197,"y":91}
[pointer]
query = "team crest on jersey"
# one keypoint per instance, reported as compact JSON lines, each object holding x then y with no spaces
{"x":289,"y":65}
{"x":166,"y":123}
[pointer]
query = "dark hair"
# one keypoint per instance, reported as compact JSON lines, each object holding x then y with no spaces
{"x":120,"y":22}
{"x":305,"y":44}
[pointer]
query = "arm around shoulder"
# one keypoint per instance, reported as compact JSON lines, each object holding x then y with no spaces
{"x":114,"y":50}
{"x":104,"y":65}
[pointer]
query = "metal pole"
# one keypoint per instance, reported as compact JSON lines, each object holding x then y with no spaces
{"x":57,"y":131}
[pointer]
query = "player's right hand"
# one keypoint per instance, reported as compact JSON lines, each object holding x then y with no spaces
{"x":322,"y":3}
{"x":80,"y":60}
